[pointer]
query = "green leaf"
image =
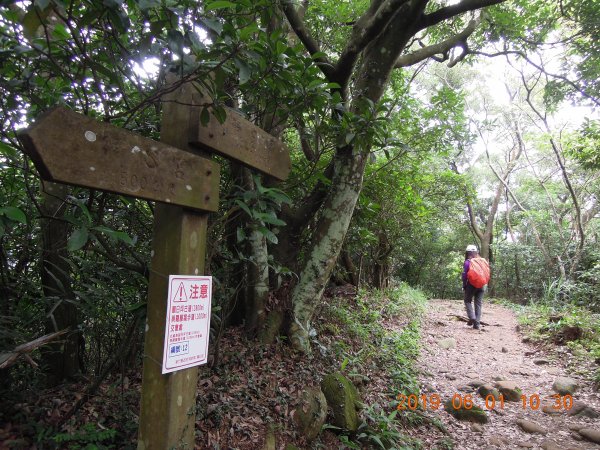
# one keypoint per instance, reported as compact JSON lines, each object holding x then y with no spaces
{"x":60,"y":32}
{"x":244,"y":207}
{"x":244,"y":70}
{"x":350,"y":137}
{"x":136,"y":307}
{"x":144,"y":5}
{"x":268,"y":234}
{"x":345,"y":363}
{"x":219,"y":5}
{"x":281,"y":47}
{"x":78,"y":239}
{"x":220,"y":113}
{"x":157,"y":27}
{"x":269,"y":217}
{"x":318,"y":55}
{"x":175,"y":41}
{"x":20,"y":49}
{"x":214,"y":25}
{"x":204,"y":116}
{"x":248,"y":31}
{"x":241,"y":236}
{"x":13,"y":213}
{"x":278,"y":196}
{"x":83,"y":207}
{"x":31,"y":23}
{"x":115,"y":234}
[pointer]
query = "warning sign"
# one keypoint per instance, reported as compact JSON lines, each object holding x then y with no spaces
{"x":188,"y":322}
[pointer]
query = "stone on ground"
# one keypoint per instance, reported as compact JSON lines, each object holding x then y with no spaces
{"x":548,"y":408}
{"x":498,"y":441}
{"x":488,"y":389}
{"x":476,"y":428}
{"x":342,"y":398}
{"x":476,"y":383}
{"x":474,"y":414}
{"x":590,"y":434}
{"x":550,"y":445}
{"x":580,"y":409}
{"x":510,"y":390}
{"x":311,"y":413}
{"x":540,"y":361}
{"x":565,"y":385}
{"x":447,"y":343}
{"x":531,"y":427}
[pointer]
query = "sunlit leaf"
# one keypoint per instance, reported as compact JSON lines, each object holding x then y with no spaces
{"x":219,"y":5}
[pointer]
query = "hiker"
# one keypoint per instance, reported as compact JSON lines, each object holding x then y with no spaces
{"x":475,"y":277}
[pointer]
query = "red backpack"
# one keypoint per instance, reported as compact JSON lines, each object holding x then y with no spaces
{"x":479,"y":272}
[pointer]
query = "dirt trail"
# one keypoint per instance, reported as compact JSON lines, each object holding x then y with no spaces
{"x":498,"y":353}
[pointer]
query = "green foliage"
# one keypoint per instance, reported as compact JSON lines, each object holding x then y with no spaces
{"x":547,"y":321}
{"x":261,"y":206}
{"x":409,"y":189}
{"x":396,"y":350}
{"x":379,"y":330}
{"x":87,"y":438}
{"x":585,"y":147}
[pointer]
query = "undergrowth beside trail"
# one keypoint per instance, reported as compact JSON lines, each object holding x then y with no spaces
{"x":251,"y":392}
{"x":375,"y":337}
{"x":567,"y":326}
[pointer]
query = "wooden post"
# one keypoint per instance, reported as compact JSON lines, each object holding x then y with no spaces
{"x":168,"y":406}
{"x":185,"y":186}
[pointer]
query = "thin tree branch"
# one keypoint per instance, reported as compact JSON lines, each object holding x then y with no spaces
{"x":560,"y":162}
{"x":297,"y":24}
{"x":525,"y":210}
{"x":448,"y":12}
{"x":563,"y":78}
{"x":440,"y":48}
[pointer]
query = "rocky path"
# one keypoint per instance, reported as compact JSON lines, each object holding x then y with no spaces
{"x":457,"y":360}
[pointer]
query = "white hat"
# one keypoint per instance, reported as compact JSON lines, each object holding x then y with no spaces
{"x":471,"y":248}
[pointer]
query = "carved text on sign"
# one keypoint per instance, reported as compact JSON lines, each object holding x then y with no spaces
{"x":101,"y":156}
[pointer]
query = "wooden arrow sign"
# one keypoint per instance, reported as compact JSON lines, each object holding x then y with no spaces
{"x":246,"y":143}
{"x":71,"y":148}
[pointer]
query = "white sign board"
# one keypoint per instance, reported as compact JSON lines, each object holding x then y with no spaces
{"x":188,"y":322}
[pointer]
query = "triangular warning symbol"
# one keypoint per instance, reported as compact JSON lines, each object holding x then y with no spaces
{"x":180,"y":294}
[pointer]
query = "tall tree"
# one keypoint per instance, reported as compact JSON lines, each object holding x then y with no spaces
{"x":379,"y":41}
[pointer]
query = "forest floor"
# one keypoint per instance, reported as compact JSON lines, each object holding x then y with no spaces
{"x":500,"y":352}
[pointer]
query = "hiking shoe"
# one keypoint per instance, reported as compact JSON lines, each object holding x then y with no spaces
{"x":470,"y":322}
{"x":475,"y":325}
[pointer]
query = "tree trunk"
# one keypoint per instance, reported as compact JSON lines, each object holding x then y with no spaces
{"x":372,"y":77}
{"x":258,"y":283}
{"x":61,"y":359}
{"x":325,"y":246}
{"x":351,"y":270}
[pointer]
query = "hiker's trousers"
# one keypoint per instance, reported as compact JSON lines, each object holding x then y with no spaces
{"x":471,"y":293}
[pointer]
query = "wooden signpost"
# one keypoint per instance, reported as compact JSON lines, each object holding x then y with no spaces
{"x":67,"y":147}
